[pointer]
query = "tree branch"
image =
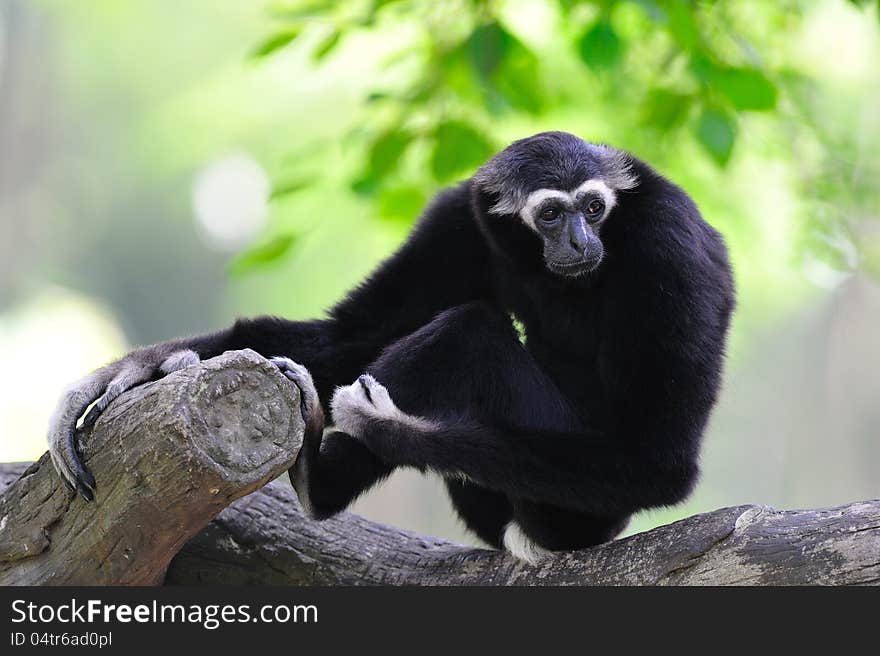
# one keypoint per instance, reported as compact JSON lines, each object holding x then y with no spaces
{"x":168,"y":456}
{"x":264,"y":538}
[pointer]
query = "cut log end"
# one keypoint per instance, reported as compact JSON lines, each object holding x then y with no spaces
{"x":167,"y":456}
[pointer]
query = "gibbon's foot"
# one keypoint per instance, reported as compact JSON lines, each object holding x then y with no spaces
{"x":367,"y":400}
{"x":355,"y":405}
{"x":313,"y":416}
{"x":521,"y":546}
{"x":101,"y":388}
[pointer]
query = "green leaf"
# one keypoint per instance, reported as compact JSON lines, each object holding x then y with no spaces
{"x":518,"y":82}
{"x":746,"y":88}
{"x":287,"y":187}
{"x":387,"y":151}
{"x":302,"y":9}
{"x":506,"y":69}
{"x":376,"y":97}
{"x":262,"y":254}
{"x":365,"y":185}
{"x":401,"y":203}
{"x":458,"y":147}
{"x":486,"y":47}
{"x":275,"y":42}
{"x":861,"y":4}
{"x":326,"y":45}
{"x":457,"y":75}
{"x":600,"y":47}
{"x":376,"y":6}
{"x":682,"y":24}
{"x":716,"y":131}
{"x":665,"y":109}
{"x":702,"y":66}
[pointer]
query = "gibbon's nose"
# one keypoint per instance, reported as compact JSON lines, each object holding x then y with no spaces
{"x":578,"y":235}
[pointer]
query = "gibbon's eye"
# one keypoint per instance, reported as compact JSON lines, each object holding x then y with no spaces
{"x":595,"y":208}
{"x":550,"y":214}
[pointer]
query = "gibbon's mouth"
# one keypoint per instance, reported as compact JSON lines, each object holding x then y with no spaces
{"x":574,"y":269}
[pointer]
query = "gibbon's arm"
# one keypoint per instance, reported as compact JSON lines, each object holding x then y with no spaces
{"x":585,"y":471}
{"x":442,"y":263}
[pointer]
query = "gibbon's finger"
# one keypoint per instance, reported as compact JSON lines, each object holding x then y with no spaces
{"x":59,"y":467}
{"x":179,"y":360}
{"x":68,"y":464}
{"x":65,"y":460}
{"x":132,"y":375}
{"x":98,"y":408}
{"x":62,"y":429}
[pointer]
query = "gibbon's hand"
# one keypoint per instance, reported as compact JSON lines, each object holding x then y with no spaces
{"x":102,"y":387}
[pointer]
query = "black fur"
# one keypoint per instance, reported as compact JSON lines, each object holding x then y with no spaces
{"x":598,"y":415}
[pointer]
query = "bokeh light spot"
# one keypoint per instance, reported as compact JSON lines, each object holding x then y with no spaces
{"x":230,"y":201}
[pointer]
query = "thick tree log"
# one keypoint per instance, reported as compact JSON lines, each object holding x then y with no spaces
{"x":264,"y":538}
{"x":168,"y":457}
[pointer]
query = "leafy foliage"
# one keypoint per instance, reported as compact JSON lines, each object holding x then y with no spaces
{"x":691,"y":71}
{"x":466,"y":75}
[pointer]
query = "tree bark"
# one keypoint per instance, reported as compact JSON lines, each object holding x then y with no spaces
{"x":170,"y":455}
{"x":265,"y":539}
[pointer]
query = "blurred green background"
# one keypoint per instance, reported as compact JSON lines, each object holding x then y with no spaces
{"x":168,"y":166}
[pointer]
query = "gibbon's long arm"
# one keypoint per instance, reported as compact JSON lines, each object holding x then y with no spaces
{"x":403,"y":293}
{"x":584,"y":471}
{"x":444,"y":263}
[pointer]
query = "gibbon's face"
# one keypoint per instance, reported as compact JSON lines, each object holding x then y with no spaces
{"x":563,"y":189}
{"x":568,"y":223}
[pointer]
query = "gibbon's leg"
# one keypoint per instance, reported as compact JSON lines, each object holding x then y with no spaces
{"x":558,"y":529}
{"x":468,"y":362}
{"x":330,"y":473}
{"x":486,"y":513}
{"x":538,"y":528}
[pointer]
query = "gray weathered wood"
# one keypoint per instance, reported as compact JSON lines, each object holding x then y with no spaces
{"x":264,"y":538}
{"x":168,"y":457}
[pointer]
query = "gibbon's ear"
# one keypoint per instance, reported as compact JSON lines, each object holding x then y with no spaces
{"x":483,"y":199}
{"x":499,"y":186}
